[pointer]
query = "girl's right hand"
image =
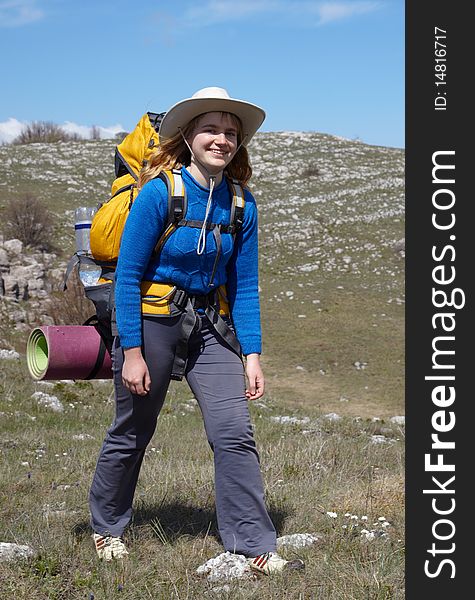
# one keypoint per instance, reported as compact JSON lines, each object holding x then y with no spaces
{"x":135,"y":374}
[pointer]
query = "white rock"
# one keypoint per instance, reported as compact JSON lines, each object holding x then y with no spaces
{"x":189,"y":405}
{"x":221,"y":589}
{"x":398,"y":420}
{"x":43,"y":383}
{"x":14,"y":551}
{"x":82,"y":436}
{"x":4,"y":261}
{"x":51,"y":402}
{"x":400,"y":245}
{"x":33,"y":274}
{"x":8,"y":354}
{"x":285,"y":420}
{"x":225,"y":566}
{"x":58,"y":511}
{"x":332,"y":417}
{"x":381,"y":439}
{"x":297,"y":540}
{"x":13,"y":246}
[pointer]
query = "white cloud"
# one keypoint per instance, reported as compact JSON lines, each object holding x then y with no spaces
{"x":15,"y":13}
{"x":218,"y":11}
{"x":10,"y":129}
{"x":300,"y":12}
{"x":85,"y":131}
{"x":335,"y":11}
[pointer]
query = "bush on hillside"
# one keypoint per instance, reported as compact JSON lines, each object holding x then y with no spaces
{"x":27,"y":218}
{"x":70,"y":307}
{"x":95,"y":133}
{"x":44,"y":131}
{"x":311,"y":171}
{"x":120,"y":136}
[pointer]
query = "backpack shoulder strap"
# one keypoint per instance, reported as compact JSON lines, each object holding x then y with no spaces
{"x":237,"y":207}
{"x":177,"y":203}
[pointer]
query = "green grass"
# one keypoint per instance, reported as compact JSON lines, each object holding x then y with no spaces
{"x":308,"y":470}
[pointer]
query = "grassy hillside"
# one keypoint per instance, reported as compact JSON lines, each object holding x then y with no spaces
{"x":331,"y":211}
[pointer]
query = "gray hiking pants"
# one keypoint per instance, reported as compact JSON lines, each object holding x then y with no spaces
{"x":216,"y":376}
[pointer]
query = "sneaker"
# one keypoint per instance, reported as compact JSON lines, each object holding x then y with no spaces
{"x":108,"y":547}
{"x":270,"y":563}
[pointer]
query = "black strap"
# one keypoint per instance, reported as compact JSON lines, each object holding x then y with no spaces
{"x":238,"y":218}
{"x":176,"y":209}
{"x":222,"y":329}
{"x":122,"y":189}
{"x":217,"y":239}
{"x":93,"y":322}
{"x":73,"y":261}
{"x":189,"y":303}
{"x":99,"y":360}
{"x":181,"y":351}
{"x":113,"y":312}
{"x":237,"y":212}
{"x":209,"y":226}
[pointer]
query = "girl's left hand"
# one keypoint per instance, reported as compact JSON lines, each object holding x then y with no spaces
{"x":255,"y":377}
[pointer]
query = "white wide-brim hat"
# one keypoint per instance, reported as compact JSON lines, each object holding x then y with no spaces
{"x":211,"y":99}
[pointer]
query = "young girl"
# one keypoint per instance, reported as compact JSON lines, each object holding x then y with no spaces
{"x":205,"y":138}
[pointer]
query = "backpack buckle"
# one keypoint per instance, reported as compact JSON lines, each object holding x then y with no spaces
{"x":178,"y":209}
{"x":180,"y":298}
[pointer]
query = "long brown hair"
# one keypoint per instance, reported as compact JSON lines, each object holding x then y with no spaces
{"x":173,"y":153}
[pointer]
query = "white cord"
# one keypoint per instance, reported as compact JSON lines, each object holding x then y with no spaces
{"x":202,"y":240}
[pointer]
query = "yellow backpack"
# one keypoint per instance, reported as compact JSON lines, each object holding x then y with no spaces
{"x":131,"y":155}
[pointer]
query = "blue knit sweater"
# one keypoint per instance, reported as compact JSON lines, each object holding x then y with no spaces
{"x":179,"y":264}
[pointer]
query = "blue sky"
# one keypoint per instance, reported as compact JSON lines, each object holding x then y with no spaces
{"x":329,"y":66}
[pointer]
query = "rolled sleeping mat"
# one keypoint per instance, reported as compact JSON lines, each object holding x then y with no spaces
{"x":67,"y":352}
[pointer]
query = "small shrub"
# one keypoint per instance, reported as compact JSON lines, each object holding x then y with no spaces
{"x":95,"y":133}
{"x":70,"y":307}
{"x":44,"y":131}
{"x":28,"y":219}
{"x":311,"y":171}
{"x":119,"y":137}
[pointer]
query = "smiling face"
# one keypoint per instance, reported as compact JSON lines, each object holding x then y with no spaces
{"x":214,"y":142}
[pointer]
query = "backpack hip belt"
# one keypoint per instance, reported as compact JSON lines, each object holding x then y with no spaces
{"x":167,"y":300}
